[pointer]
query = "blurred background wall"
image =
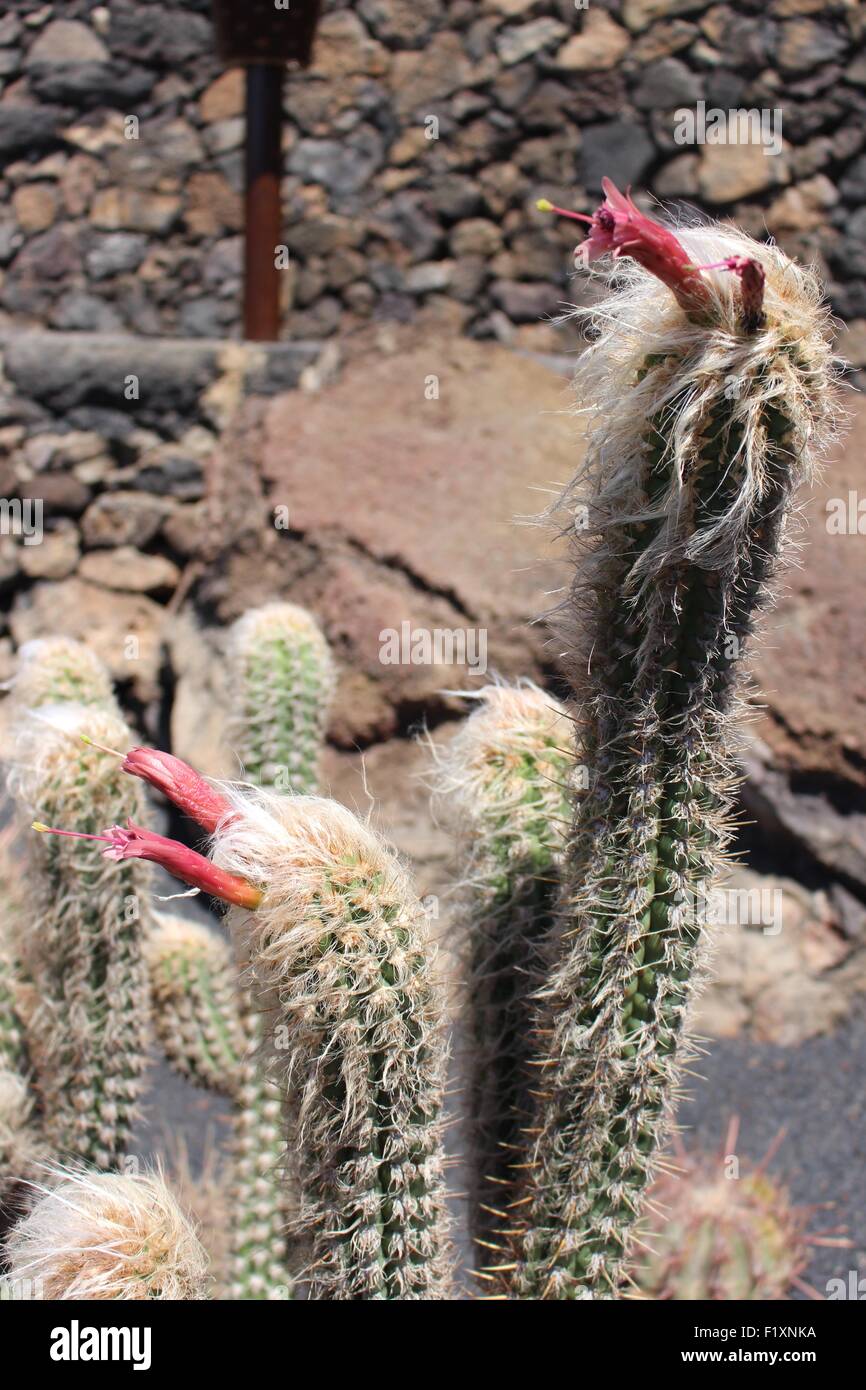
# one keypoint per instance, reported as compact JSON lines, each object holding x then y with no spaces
{"x":415,"y":148}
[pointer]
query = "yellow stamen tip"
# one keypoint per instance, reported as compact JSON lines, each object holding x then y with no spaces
{"x":91,"y":743}
{"x":37,"y":825}
{"x":544,"y":205}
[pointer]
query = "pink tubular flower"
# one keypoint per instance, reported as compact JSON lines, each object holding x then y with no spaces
{"x":752,"y":280}
{"x":189,"y":791}
{"x":193,"y":868}
{"x":621,"y":229}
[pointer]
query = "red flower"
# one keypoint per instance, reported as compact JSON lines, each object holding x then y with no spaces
{"x":189,"y":791}
{"x":134,"y":842}
{"x":621,"y":229}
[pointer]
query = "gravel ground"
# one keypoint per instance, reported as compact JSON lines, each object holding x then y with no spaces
{"x":816,"y":1092}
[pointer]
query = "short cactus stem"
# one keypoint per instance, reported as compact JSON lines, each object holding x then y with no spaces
{"x":704,"y":427}
{"x":714,"y":1235}
{"x":197,"y":1018}
{"x":59,"y":670}
{"x":85,"y":958}
{"x":210,"y":1034}
{"x":338,"y":952}
{"x":282,"y":682}
{"x":503,"y":783}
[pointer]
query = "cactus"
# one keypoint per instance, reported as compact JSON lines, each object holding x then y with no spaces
{"x":338,"y":942}
{"x":711,"y":1233}
{"x":20,"y":1144}
{"x":85,"y":957}
{"x":282,"y":680}
{"x":106,"y":1236}
{"x":210,"y":1033}
{"x":689,"y":485}
{"x":197,"y":1014}
{"x":58,"y":670}
{"x":585,"y":943}
{"x":503,"y":783}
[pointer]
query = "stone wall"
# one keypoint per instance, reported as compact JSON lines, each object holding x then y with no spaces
{"x":526,"y":97}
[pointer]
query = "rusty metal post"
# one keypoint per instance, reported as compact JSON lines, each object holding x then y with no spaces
{"x":262,"y":213}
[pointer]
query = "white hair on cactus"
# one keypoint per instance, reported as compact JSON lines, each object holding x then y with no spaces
{"x":20,"y":1147}
{"x":339,"y":957}
{"x":788,"y":361}
{"x":59,"y":668}
{"x":107,"y":1236}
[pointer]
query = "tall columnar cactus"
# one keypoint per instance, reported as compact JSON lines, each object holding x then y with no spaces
{"x":281,"y":681}
{"x":106,"y":1236}
{"x":503,"y":782}
{"x":339,"y":944}
{"x":84,"y":949}
{"x":711,"y":397}
{"x":211,"y":1033}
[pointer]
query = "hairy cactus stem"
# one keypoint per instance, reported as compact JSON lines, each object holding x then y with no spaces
{"x":89,"y":1031}
{"x":503,"y":784}
{"x":282,"y":681}
{"x":705,"y":425}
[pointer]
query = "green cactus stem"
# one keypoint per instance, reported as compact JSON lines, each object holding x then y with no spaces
{"x":59,"y":670}
{"x":338,"y":949}
{"x":197,"y":1018}
{"x":282,"y":682}
{"x":705,"y":424}
{"x":84,"y":949}
{"x":210,"y":1033}
{"x":503,"y":783}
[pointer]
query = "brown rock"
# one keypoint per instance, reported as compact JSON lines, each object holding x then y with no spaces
{"x":343,"y":48}
{"x":35,"y":206}
{"x":477,"y":236}
{"x":199,"y":711}
{"x":728,"y":172}
{"x":599,"y":45}
{"x":454,"y":469}
{"x":638,"y":14}
{"x":212,"y":206}
{"x":814,"y":687}
{"x":123,"y":629}
{"x":123,"y":518}
{"x":78,"y":183}
{"x":61,"y":493}
{"x":56,"y":555}
{"x":804,"y":44}
{"x":224,"y":97}
{"x":804,"y":206}
{"x":852,"y":342}
{"x":66,"y":41}
{"x":129,"y":570}
{"x":419,"y":79}
{"x":135,"y":210}
{"x":778,"y":986}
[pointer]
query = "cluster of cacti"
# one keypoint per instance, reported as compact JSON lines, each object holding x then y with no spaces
{"x":589,"y":835}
